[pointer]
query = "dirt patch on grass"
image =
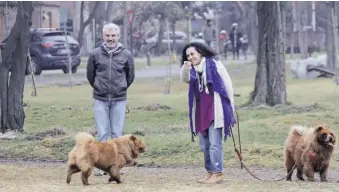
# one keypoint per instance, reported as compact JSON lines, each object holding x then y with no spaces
{"x":139,"y":132}
{"x":285,"y":109}
{"x":56,"y":132}
{"x":79,"y":83}
{"x":295,"y":109}
{"x":154,"y":107}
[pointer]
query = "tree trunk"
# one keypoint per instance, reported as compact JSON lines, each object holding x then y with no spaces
{"x":125,"y":26}
{"x":15,"y":57}
{"x":83,"y":24}
{"x":301,"y":22}
{"x":335,"y":40}
{"x":254,"y":30}
{"x":162,"y":25}
{"x":109,"y":14}
{"x":270,"y":85}
{"x":330,"y":48}
{"x":283,"y":28}
{"x":294,"y":29}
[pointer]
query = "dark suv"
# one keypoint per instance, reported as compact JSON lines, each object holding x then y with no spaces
{"x":48,"y":50}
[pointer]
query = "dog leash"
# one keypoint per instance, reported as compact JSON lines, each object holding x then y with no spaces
{"x":240,"y":157}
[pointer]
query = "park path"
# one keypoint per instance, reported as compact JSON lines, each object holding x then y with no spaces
{"x":56,"y":77}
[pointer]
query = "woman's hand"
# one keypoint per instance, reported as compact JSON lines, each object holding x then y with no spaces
{"x":188,"y":64}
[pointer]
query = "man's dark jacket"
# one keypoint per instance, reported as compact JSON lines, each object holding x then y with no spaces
{"x":110,"y":74}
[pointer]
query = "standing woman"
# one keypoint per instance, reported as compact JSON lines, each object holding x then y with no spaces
{"x":211,"y":105}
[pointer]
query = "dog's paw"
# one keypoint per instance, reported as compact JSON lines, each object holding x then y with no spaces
{"x":114,"y":179}
{"x":300,"y":178}
{"x":129,"y":162}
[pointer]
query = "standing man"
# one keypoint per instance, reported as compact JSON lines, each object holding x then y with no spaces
{"x":110,"y":71}
{"x":208,"y":33}
{"x":235,"y":37}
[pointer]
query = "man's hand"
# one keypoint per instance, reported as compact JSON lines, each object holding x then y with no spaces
{"x":91,"y":69}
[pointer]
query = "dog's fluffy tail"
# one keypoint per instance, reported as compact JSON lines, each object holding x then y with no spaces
{"x":83,"y":138}
{"x":298,"y":130}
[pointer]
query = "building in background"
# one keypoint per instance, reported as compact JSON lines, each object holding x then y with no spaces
{"x":46,"y":14}
{"x":52,"y":14}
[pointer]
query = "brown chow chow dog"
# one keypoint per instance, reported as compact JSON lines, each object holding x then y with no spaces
{"x":311,"y":150}
{"x":108,"y":156}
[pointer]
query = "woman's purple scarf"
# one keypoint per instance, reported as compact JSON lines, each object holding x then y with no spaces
{"x":217,"y":85}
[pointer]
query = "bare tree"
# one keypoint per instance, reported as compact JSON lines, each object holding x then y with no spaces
{"x":334,"y":17}
{"x":83,"y":24}
{"x":270,"y":87}
{"x":282,"y":31}
{"x":294,"y":28}
{"x":301,"y":21}
{"x":108,"y":16}
{"x":330,"y":31}
{"x":14,"y":59}
{"x":125,"y":26}
{"x":171,"y":11}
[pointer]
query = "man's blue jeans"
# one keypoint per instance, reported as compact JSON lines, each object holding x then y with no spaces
{"x":211,"y":145}
{"x":109,"y":118}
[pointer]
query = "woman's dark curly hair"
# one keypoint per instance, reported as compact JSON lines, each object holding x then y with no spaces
{"x":201,"y":48}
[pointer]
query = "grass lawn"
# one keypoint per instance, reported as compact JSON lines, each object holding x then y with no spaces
{"x":263,"y":130}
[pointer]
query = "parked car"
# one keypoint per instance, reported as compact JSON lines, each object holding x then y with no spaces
{"x":198,"y":38}
{"x":48,"y":50}
{"x":180,"y":41}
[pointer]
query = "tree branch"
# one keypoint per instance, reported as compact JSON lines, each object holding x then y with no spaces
{"x":82,"y":5}
{"x":92,"y":14}
{"x":249,"y":4}
{"x":325,"y":20}
{"x":241,"y":7}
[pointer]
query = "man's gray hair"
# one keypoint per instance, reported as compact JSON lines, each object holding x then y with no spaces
{"x":111,"y":26}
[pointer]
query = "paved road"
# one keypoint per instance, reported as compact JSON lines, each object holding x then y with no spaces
{"x":56,"y":77}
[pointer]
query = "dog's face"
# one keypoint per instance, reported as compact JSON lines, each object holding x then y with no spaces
{"x":139,"y":145}
{"x":325,"y":137}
